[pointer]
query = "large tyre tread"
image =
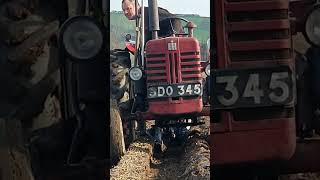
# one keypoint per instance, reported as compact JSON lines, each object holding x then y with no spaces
{"x":119,"y":100}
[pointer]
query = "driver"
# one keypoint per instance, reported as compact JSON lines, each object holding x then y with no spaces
{"x":128,"y":7}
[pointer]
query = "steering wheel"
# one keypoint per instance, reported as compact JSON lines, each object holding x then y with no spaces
{"x":172,"y":28}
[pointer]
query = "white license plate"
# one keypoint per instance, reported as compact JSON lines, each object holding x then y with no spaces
{"x":175,"y":90}
{"x":253,"y":88}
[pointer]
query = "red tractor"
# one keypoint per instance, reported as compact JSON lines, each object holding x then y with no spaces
{"x":167,"y":79}
{"x":265,"y":94}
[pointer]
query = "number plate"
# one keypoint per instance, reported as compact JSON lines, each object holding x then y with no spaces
{"x":174,"y":90}
{"x":253,"y":88}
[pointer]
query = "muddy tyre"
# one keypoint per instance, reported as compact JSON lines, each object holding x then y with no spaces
{"x":119,"y":81}
{"x":15,"y":160}
{"x":117,"y":145}
{"x":119,"y":106}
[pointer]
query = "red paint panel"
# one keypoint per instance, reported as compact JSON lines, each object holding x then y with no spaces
{"x":156,"y":59}
{"x":190,"y":63}
{"x":249,"y":146}
{"x":156,"y":46}
{"x":155,"y":71}
{"x":190,"y":57}
{"x":260,"y":63}
{"x":191,"y":75}
{"x":168,"y":108}
{"x":221,"y":39}
{"x":256,"y":5}
{"x":157,"y":78}
{"x":259,"y":25}
{"x":149,"y":116}
{"x":155,"y":65}
{"x":159,"y":46}
{"x":260,"y":45}
{"x":190,"y":69}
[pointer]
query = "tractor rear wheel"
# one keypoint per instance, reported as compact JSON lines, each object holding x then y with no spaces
{"x":15,"y":159}
{"x":119,"y":101}
{"x":117,"y":145}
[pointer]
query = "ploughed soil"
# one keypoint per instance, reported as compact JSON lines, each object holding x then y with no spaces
{"x":188,"y":160}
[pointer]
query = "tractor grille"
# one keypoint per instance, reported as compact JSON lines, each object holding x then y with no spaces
{"x":257,"y":15}
{"x":190,"y":66}
{"x":172,"y":68}
{"x":156,"y":69}
{"x":260,"y":54}
{"x":256,"y":33}
{"x":258,"y":30}
{"x":179,"y":68}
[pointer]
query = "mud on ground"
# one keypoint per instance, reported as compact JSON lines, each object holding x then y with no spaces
{"x":189,"y":160}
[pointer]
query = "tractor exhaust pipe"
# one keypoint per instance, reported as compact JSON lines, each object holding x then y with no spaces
{"x":153,"y":18}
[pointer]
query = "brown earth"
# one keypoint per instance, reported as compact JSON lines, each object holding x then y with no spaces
{"x":189,"y":160}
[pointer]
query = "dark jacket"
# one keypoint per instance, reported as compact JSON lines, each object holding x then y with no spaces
{"x":164,"y":24}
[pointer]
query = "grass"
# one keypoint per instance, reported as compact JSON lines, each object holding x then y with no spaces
{"x":119,"y":26}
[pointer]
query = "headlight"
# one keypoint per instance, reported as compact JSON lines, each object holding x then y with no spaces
{"x":207,"y":70}
{"x":135,"y":73}
{"x":82,"y":38}
{"x":312,"y":26}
